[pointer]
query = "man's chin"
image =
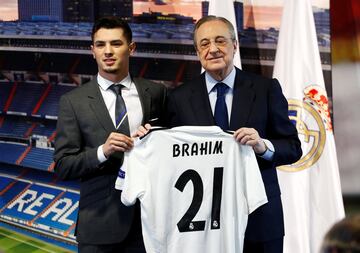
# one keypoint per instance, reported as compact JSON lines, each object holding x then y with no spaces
{"x":215,"y":68}
{"x":110,"y":70}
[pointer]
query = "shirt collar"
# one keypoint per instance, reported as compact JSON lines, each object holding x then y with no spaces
{"x":211,"y":82}
{"x":105,"y":84}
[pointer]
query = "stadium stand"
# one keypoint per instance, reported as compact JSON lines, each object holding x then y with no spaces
{"x":26,"y":155}
{"x":8,"y":195}
{"x":50,"y":105}
{"x":12,"y":170}
{"x":37,"y":176}
{"x":24,"y":127}
{"x":35,"y":200}
{"x":12,"y":62}
{"x":162,"y":70}
{"x":26,"y":97}
{"x":38,"y":158}
{"x":3,"y":184}
{"x":191,"y":69}
{"x":44,"y":208}
{"x":29,"y":118}
{"x":17,"y":208}
{"x":14,"y":126}
{"x":46,"y":128}
{"x":5,"y":88}
{"x":136,"y":65}
{"x":10,"y":152}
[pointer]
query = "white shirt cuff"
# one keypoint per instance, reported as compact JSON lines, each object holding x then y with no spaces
{"x":100,"y":154}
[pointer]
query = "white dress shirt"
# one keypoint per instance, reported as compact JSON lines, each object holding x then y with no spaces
{"x":210,"y":84}
{"x":132,"y":102}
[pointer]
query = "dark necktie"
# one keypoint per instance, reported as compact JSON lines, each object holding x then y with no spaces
{"x":121,"y":117}
{"x":221,"y":113}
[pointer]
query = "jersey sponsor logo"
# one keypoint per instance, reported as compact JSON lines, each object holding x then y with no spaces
{"x":196,"y":149}
{"x":312,"y":119}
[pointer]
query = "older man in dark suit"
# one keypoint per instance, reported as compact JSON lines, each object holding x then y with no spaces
{"x":254,"y":107}
{"x":250,"y":105}
{"x":93,"y":130}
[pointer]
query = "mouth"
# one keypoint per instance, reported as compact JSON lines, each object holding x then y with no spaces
{"x":214,"y":58}
{"x":109,"y":62}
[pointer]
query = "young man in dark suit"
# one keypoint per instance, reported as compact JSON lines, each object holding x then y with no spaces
{"x":91,"y":139}
{"x":250,"y":105}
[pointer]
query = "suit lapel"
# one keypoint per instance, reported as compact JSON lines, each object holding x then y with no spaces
{"x":97,"y":105}
{"x":200,"y":104}
{"x":145,"y":98}
{"x":243,"y":98}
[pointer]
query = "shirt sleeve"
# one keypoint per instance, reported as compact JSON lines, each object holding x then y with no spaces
{"x":100,"y":154}
{"x":269,"y":153}
{"x":254,"y":185}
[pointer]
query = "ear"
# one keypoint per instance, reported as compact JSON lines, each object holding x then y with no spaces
{"x":132,"y":48}
{"x":92,"y":51}
{"x":235,"y":46}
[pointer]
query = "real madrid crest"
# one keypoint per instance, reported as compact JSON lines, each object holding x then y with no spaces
{"x":312,"y":119}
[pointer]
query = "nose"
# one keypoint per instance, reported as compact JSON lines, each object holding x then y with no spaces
{"x":213,"y":48}
{"x":108,"y":49}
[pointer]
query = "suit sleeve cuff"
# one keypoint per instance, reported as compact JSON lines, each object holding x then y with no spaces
{"x":100,"y":154}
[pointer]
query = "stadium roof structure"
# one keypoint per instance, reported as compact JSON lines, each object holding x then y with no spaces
{"x":159,"y":41}
{"x":166,"y":41}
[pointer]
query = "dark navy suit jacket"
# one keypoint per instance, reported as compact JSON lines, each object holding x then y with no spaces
{"x":258,"y":103}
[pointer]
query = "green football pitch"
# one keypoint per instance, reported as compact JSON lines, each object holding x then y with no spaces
{"x":13,"y":242}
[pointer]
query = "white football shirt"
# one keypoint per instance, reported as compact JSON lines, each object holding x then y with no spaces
{"x":196,"y":186}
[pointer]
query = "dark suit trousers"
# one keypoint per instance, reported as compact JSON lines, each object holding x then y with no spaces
{"x":273,"y":246}
{"x":133,"y":243}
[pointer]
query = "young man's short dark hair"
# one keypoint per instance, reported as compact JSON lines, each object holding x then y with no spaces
{"x":111,"y":22}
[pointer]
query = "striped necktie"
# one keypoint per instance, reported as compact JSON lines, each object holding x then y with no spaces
{"x":121,"y":117}
{"x":221,"y":113}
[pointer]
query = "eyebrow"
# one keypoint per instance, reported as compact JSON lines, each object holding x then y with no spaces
{"x":111,"y":41}
{"x":217,"y":37}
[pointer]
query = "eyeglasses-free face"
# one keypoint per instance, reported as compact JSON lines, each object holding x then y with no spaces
{"x":111,"y":51}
